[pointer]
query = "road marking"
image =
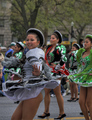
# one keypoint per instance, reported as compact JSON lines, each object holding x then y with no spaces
{"x":67,"y":118}
{"x":75,"y":118}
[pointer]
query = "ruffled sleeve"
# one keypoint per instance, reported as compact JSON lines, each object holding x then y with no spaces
{"x":62,"y":50}
{"x":34,"y":57}
{"x":79,"y":54}
{"x":72,"y":59}
{"x":19,"y":55}
{"x":88,"y":69}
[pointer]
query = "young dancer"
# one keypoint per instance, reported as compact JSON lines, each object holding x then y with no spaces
{"x":83,"y":76}
{"x":72,"y":70}
{"x":55,"y":58}
{"x":28,"y":89}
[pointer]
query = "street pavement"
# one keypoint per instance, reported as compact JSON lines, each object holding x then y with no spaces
{"x":72,"y":109}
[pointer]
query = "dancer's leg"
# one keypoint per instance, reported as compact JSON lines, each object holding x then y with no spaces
{"x":82,"y":101}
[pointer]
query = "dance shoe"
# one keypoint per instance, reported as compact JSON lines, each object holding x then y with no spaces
{"x":45,"y":115}
{"x":61,"y":116}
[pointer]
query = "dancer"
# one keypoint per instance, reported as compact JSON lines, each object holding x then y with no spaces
{"x":18,"y":53}
{"x":55,"y":58}
{"x":72,"y":70}
{"x":28,"y":89}
{"x":84,"y":76}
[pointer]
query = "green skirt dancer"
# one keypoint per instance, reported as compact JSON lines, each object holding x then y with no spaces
{"x":82,"y":76}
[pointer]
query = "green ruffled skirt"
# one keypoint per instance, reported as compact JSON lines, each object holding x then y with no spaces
{"x":83,"y":79}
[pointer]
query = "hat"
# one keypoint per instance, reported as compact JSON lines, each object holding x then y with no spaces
{"x":59,"y":35}
{"x":21,"y":44}
{"x":88,"y":35}
{"x":38,"y":32}
{"x":12,"y":44}
{"x":77,"y":45}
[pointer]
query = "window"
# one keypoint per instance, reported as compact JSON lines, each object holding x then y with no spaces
{"x":1,"y":22}
{"x":1,"y":40}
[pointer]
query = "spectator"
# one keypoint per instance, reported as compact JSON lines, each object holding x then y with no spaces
{"x":26,"y":50}
{"x":81,"y":42}
{"x":65,"y":89}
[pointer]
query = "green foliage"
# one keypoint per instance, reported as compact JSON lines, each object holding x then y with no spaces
{"x":48,"y":15}
{"x":78,"y":11}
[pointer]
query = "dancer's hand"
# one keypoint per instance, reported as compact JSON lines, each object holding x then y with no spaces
{"x":36,"y":70}
{"x":57,"y":67}
{"x":53,"y":65}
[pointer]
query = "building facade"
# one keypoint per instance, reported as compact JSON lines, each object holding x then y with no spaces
{"x":5,"y":30}
{"x":6,"y":36}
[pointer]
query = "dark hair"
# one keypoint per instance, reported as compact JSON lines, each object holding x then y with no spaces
{"x":80,"y":40}
{"x":77,"y":46}
{"x":89,"y":36}
{"x":38,"y":39}
{"x":19,"y":46}
{"x":44,"y":45}
{"x":38,"y":33}
{"x":56,"y":35}
{"x":89,"y":39}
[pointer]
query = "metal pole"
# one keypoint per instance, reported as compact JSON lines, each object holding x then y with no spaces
{"x":72,"y":32}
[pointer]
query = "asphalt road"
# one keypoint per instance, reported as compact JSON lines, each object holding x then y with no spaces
{"x":72,"y":109}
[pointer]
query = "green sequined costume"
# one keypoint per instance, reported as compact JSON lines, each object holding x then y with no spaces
{"x":18,"y":55}
{"x":73,"y":62}
{"x":84,"y":67}
{"x":17,"y":69}
{"x":57,"y":56}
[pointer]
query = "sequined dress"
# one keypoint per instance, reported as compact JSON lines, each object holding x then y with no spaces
{"x":58,"y":57}
{"x":73,"y":62}
{"x":84,"y":67}
{"x":31,"y":86}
